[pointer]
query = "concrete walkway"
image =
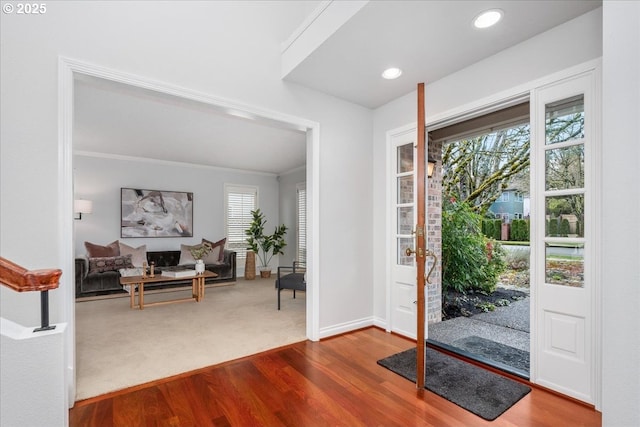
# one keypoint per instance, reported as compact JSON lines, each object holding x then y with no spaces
{"x":507,"y":325}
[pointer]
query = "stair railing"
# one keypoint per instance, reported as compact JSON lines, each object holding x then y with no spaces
{"x":22,"y":280}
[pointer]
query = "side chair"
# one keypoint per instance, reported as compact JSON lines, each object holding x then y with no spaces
{"x":291,"y":277}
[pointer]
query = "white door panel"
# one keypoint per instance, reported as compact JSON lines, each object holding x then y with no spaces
{"x":564,"y":139}
{"x":404,"y":309}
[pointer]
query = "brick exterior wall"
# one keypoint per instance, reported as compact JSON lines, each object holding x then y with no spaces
{"x":434,"y":234}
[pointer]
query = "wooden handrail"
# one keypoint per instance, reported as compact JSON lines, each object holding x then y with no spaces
{"x":22,"y":280}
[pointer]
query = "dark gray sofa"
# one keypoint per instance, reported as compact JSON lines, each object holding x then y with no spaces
{"x":108,"y":282}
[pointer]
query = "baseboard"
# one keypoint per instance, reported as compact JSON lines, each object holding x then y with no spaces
{"x":346,"y":327}
{"x":380,"y":322}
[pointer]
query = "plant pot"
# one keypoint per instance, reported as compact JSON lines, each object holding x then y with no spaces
{"x":250,"y":266}
{"x":265,"y":274}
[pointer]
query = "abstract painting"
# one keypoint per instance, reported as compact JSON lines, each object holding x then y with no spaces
{"x":153,"y":213}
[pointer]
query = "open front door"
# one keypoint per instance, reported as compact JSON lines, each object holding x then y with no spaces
{"x":408,"y":154}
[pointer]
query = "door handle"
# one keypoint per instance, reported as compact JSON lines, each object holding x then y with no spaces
{"x":432,"y":254}
{"x":410,"y":252}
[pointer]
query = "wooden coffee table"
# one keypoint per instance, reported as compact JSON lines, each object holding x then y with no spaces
{"x":139,"y":282}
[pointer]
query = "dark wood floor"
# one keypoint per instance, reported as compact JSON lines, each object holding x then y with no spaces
{"x":335,"y":382}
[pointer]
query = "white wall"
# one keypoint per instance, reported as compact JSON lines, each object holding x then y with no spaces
{"x":620,"y":218}
{"x":532,"y":59}
{"x":288,"y":211}
{"x":43,"y":354}
{"x":99,"y":179}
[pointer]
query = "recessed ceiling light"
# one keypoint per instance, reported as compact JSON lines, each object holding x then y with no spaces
{"x":488,"y":18}
{"x":392,"y":73}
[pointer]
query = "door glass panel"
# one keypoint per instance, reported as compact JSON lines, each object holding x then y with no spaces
{"x":565,"y":216}
{"x":564,"y":264}
{"x":403,"y":244}
{"x":405,"y":220}
{"x":564,"y":120}
{"x":405,"y":158}
{"x":405,"y":189}
{"x":565,"y":168}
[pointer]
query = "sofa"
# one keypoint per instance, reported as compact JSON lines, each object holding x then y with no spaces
{"x":108,"y":282}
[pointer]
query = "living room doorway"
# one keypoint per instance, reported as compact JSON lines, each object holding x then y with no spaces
{"x":70,"y":70}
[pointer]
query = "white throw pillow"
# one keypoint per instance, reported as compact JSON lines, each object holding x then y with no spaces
{"x":186,"y":257}
{"x":138,"y":255}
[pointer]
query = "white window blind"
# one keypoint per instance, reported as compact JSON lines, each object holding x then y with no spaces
{"x":240,"y":201}
{"x":302,"y":223}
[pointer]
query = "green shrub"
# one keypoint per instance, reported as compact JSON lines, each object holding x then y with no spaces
{"x":470,"y":261}
{"x":492,"y":228}
{"x":519,"y":230}
{"x":564,"y":228}
{"x":487,"y":227}
{"x":553,"y":227}
{"x":497,"y":229}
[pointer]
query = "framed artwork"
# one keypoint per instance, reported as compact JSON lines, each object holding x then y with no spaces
{"x":153,"y":213}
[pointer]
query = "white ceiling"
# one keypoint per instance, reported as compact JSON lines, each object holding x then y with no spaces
{"x":116,"y":119}
{"x":427,"y":39}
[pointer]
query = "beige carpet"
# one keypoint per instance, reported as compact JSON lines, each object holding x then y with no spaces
{"x":117,"y":347}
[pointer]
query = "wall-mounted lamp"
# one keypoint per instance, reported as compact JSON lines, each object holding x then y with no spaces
{"x":81,"y":206}
{"x":431,"y":166}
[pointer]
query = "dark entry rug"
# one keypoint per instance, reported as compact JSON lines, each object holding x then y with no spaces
{"x":475,"y":389}
{"x":495,"y":351}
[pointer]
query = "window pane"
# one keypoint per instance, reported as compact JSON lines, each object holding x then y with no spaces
{"x":564,"y":264}
{"x":565,"y":216}
{"x":405,"y":158}
{"x":405,"y":189}
{"x":403,"y":244}
{"x":565,"y":168}
{"x":405,"y":220}
{"x":564,"y":120}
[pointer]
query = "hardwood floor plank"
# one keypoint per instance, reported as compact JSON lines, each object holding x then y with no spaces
{"x":335,"y":382}
{"x":129,"y":410}
{"x":233,"y":405}
{"x":250,"y":384}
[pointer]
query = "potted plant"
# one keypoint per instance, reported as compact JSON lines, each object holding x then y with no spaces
{"x":198,"y":252}
{"x":265,"y":245}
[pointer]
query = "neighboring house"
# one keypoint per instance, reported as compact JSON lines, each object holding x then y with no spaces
{"x":510,"y":205}
{"x":228,"y":54}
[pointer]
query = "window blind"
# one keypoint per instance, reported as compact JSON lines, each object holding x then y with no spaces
{"x":240,"y":201}
{"x":302,"y":223}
